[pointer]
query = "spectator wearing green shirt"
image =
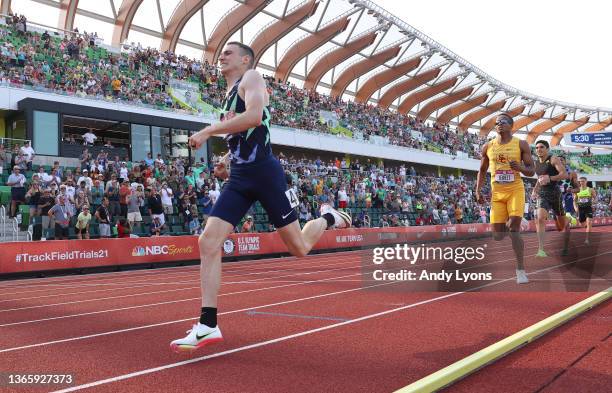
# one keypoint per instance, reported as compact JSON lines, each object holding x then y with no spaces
{"x":82,"y":224}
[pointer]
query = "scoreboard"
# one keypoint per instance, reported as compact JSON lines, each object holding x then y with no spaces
{"x":593,"y":139}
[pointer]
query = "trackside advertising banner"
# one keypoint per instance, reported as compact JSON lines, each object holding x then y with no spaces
{"x":20,"y":257}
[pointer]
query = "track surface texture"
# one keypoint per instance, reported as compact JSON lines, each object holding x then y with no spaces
{"x":311,"y":324}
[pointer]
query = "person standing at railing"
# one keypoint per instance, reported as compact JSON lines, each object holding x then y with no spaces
{"x":17,"y":183}
{"x":104,"y":216}
{"x":61,"y":214}
{"x":82,"y":224}
{"x":135,"y":200}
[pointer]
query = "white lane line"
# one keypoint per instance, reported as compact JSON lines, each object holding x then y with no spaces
{"x":191,"y":319}
{"x":306,"y":264}
{"x":236,"y":266}
{"x":168,"y":302}
{"x":257,"y":281}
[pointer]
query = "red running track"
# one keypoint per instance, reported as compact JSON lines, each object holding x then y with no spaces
{"x":310,"y":324}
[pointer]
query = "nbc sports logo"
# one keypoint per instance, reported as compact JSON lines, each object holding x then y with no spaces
{"x":140,"y":251}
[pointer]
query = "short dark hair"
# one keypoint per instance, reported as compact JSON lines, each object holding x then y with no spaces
{"x":544,"y":143}
{"x":508,"y":116}
{"x":245,"y":50}
{"x":583,"y":177}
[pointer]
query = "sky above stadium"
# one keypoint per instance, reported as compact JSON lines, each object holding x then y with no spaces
{"x":558,"y":49}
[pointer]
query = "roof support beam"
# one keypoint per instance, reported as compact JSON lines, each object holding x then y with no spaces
{"x":180,"y":16}
{"x":544,"y":126}
{"x":488,"y":126}
{"x":406,"y":86}
{"x":385,"y":77}
{"x":67,"y":13}
{"x":569,"y":127}
{"x":470,"y":119}
{"x":461,"y":108}
{"x":424,"y":94}
{"x":360,"y":68}
{"x":443,"y":101}
{"x":229,"y":24}
{"x":335,"y":57}
{"x":301,"y":48}
{"x":124,"y":19}
{"x":525,"y":121}
{"x":272,"y":33}
{"x":600,"y":126}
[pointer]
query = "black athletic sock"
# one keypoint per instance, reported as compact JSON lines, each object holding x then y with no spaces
{"x":209,"y":316}
{"x":330,"y":219}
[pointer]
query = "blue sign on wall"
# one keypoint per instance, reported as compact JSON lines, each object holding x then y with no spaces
{"x":603,"y":139}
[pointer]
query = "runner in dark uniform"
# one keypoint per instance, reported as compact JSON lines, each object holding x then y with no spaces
{"x":550,"y":172}
{"x":585,"y":196}
{"x":569,"y":186}
{"x":256,"y":175}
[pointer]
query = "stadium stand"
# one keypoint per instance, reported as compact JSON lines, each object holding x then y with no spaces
{"x":75,"y":65}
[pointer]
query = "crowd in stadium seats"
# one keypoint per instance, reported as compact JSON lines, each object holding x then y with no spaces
{"x":76,"y":65}
{"x":154,"y":197}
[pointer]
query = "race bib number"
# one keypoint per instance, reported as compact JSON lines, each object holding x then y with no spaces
{"x":584,"y":200}
{"x":502,"y":176}
{"x":292,"y":197}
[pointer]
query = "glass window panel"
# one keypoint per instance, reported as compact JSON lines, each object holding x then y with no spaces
{"x":46,"y":133}
{"x":160,"y":138}
{"x":141,"y":142}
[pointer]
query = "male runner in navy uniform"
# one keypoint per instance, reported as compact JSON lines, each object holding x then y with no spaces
{"x":256,"y":175}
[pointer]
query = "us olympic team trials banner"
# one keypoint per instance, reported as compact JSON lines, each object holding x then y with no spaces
{"x":21,"y":257}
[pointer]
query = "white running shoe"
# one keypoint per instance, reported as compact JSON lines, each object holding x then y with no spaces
{"x":521,"y":277}
{"x":199,"y":336}
{"x":341,"y":219}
